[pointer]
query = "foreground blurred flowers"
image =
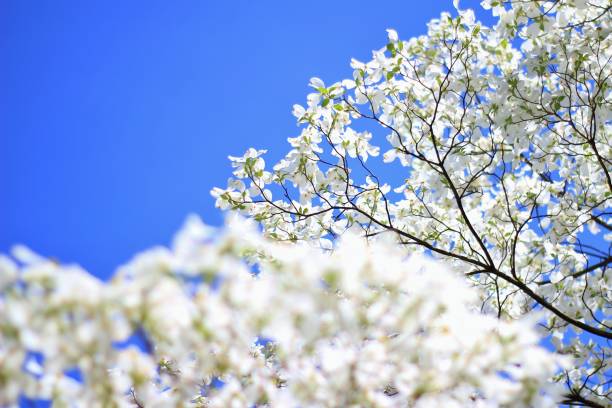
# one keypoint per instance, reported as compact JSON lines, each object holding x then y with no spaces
{"x":231,"y":319}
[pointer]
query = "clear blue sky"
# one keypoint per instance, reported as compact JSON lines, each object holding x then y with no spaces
{"x":116,"y":118}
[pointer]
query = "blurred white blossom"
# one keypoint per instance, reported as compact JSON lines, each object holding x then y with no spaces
{"x":361,"y":326}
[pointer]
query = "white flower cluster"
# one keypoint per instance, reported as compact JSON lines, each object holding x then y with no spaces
{"x":235,"y":320}
{"x":488,"y":147}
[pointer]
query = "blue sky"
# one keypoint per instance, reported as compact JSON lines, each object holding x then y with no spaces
{"x":116,"y":119}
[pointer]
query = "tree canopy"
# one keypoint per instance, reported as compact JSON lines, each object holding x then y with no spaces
{"x":496,"y":161}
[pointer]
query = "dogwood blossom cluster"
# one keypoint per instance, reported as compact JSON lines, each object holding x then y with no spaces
{"x":488,"y":147}
{"x":231,"y":319}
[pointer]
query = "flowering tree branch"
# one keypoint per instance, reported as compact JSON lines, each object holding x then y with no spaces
{"x":499,"y":162}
